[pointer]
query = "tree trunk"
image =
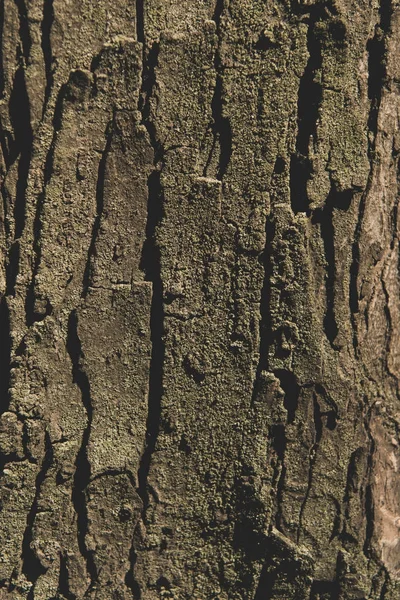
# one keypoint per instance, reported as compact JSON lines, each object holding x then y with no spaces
{"x":200,"y":300}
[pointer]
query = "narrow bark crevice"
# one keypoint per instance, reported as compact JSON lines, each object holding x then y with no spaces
{"x":31,"y":314}
{"x":32,"y":568}
{"x":63,"y":580}
{"x":308,"y":106}
{"x":324,"y":217}
{"x":47,"y":23}
{"x":345,"y":535}
{"x":101,"y":180}
{"x":288,"y":383}
{"x":151,"y":259}
{"x":82,"y":464}
{"x":389,"y":328}
{"x":24,"y":33}
{"x":151,"y":265}
{"x":5,"y":355}
{"x":5,"y":362}
{"x":221,"y":126}
{"x":12,"y":267}
{"x":265,"y":332}
{"x":369,"y":499}
{"x":318,"y":426}
{"x":6,"y":144}
{"x":385,"y":586}
{"x":291,"y":389}
{"x":130,"y":580}
{"x":19,"y":107}
{"x":140,"y":33}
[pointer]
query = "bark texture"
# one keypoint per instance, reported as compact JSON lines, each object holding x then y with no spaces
{"x":200,"y":299}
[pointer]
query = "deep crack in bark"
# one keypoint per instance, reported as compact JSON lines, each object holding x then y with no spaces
{"x":32,"y":568}
{"x":221,"y":127}
{"x":101,"y":178}
{"x":150,"y":264}
{"x":309,"y":100}
{"x":265,"y":331}
{"x":83,"y":469}
{"x":47,"y":23}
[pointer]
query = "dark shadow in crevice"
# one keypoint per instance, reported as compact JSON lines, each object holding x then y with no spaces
{"x":47,"y":24}
{"x":324,"y":217}
{"x":24,"y":33}
{"x":19,"y":108}
{"x":151,"y":265}
{"x":288,"y":383}
{"x":309,"y":101}
{"x":32,"y":568}
{"x":82,"y":464}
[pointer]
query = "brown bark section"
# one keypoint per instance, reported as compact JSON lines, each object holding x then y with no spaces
{"x":199,"y":309}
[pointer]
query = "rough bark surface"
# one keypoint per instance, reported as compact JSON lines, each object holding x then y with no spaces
{"x":200,"y":299}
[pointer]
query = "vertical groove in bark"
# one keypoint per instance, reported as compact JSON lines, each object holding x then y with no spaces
{"x":101,"y":175}
{"x":82,"y":464}
{"x":31,"y":565}
{"x":24,"y":33}
{"x":20,"y":119}
{"x":312,"y":458}
{"x":309,"y":100}
{"x":5,"y":355}
{"x":221,"y":127}
{"x":151,"y":261}
{"x":47,"y":24}
{"x":265,"y":331}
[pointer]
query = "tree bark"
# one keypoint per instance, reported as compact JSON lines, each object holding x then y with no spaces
{"x":200,"y":300}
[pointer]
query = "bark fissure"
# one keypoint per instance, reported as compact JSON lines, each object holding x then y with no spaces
{"x":309,"y":100}
{"x":23,"y":142}
{"x":291,"y":389}
{"x":31,"y":565}
{"x":101,"y":180}
{"x":318,"y":425}
{"x":221,"y":127}
{"x":151,"y":266}
{"x":265,"y":331}
{"x":31,"y":314}
{"x":24,"y":32}
{"x":82,"y":464}
{"x":140,"y":33}
{"x":5,"y":355}
{"x":369,"y":501}
{"x":325,"y":217}
{"x":47,"y":23}
{"x":63,"y":585}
